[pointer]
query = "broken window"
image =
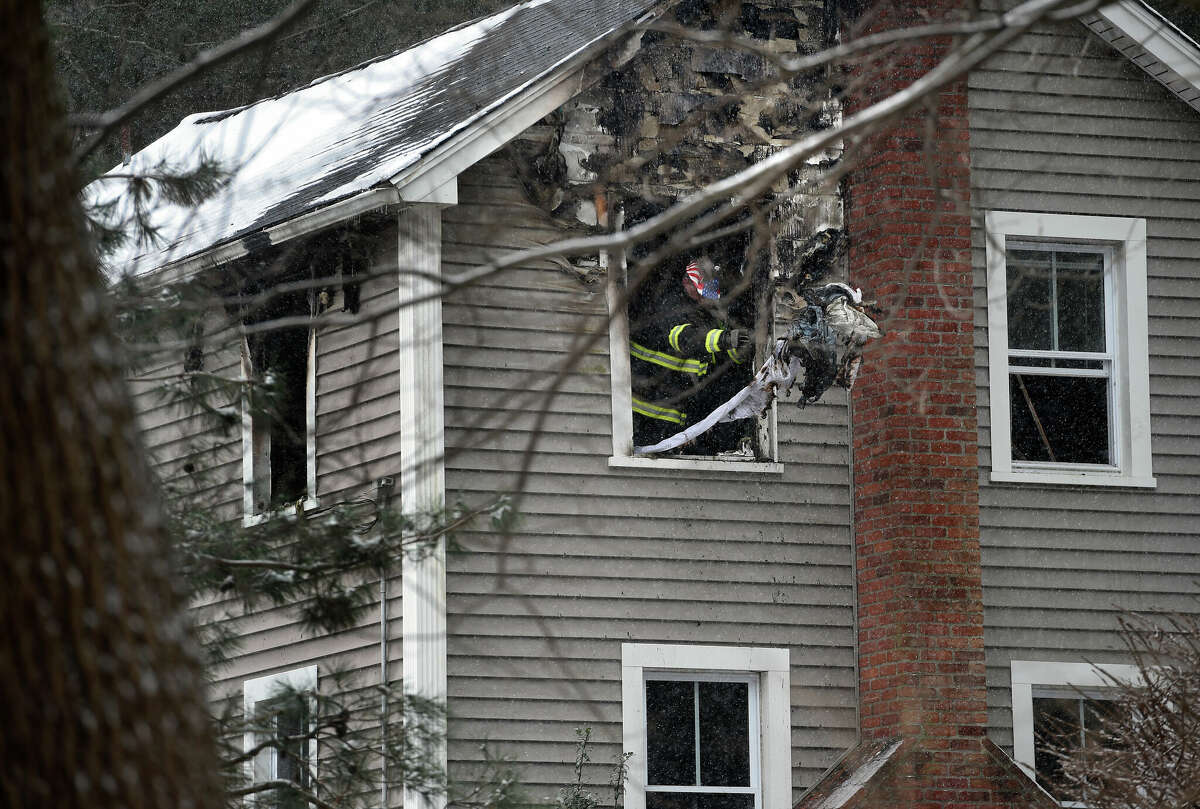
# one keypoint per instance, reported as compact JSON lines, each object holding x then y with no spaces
{"x":692,"y":324}
{"x":1060,"y":354}
{"x":278,"y":421}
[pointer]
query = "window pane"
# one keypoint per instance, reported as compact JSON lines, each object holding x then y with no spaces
{"x":1055,"y":729}
{"x":1029,"y":315}
{"x":1059,"y":419}
{"x":725,"y":734}
{"x":1080,"y":280}
{"x":667,"y":800}
{"x":1098,"y":712}
{"x":1092,"y":365}
{"x":288,"y":366}
{"x":670,"y":732}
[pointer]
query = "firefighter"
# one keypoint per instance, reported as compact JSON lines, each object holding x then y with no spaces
{"x":682,"y":353}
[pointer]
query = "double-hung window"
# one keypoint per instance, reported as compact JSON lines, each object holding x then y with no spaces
{"x":278,"y":711}
{"x":1060,"y":353}
{"x":1057,"y":709}
{"x":1067,"y":331}
{"x":702,"y":740}
{"x":708,"y":726}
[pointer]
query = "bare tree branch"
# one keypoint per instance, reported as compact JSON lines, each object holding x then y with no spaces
{"x":106,"y":122}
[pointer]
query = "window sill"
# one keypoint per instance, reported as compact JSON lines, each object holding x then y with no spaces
{"x":696,"y":465}
{"x":1063,"y":478}
{"x":250,"y":520}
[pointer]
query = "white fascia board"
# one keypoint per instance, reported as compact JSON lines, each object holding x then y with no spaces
{"x":496,"y":128}
{"x":1163,"y":42}
{"x":341,"y":211}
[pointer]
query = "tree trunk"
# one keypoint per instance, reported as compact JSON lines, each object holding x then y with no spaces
{"x":103,"y":692}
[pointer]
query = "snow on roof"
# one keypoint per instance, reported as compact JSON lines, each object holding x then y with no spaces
{"x":351,"y":131}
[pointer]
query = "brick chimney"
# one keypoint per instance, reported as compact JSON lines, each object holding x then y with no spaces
{"x":922,"y":688}
{"x":916,"y":468}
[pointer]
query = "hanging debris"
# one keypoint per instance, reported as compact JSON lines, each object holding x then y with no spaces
{"x":824,"y":345}
{"x":833,"y":320}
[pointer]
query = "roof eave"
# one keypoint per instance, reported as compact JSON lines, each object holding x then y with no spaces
{"x":1152,"y":43}
{"x":431,"y":179}
{"x":312,"y":221}
{"x":492,"y":130}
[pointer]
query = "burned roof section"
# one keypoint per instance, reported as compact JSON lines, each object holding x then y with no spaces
{"x":352,"y":131}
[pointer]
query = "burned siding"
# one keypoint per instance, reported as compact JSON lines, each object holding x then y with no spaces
{"x":1061,"y":123}
{"x":357,"y":440}
{"x":679,"y":113}
{"x":603,"y":555}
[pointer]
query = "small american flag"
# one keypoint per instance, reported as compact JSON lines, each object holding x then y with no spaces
{"x":710,"y":290}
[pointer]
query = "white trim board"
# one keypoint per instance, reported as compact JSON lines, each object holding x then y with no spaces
{"x":422,"y":458}
{"x":1026,"y":674}
{"x":1131,"y":397}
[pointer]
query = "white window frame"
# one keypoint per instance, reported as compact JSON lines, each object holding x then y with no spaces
{"x":1126,"y":311}
{"x":1029,"y":675}
{"x":257,"y":447}
{"x":772,"y":669}
{"x":264,"y":689}
{"x":620,"y":377}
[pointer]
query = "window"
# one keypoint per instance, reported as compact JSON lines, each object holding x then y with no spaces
{"x":1068,"y":354}
{"x":279,"y":410}
{"x":1057,"y":704}
{"x":708,"y":726}
{"x":672,"y":362}
{"x":280,"y":707}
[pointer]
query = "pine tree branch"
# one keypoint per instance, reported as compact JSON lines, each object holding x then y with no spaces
{"x":106,"y":122}
{"x":264,"y":564}
{"x":280,"y":783}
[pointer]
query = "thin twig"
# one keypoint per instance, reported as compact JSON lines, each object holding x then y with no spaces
{"x":106,"y":122}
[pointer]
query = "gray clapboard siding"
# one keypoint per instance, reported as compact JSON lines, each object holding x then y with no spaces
{"x":605,"y":555}
{"x":1061,"y":123}
{"x":357,"y":442}
{"x":358,"y":378}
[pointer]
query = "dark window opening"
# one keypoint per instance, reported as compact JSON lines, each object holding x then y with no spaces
{"x":1066,"y":726}
{"x":1056,"y":300}
{"x":1059,"y":419}
{"x":698,"y":736}
{"x":279,"y":359}
{"x":693,"y":321}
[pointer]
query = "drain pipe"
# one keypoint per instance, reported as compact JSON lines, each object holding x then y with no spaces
{"x":383,"y":494}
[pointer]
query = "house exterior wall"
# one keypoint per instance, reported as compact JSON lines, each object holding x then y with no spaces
{"x":603,"y":555}
{"x":1061,"y":123}
{"x":357,"y":424}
